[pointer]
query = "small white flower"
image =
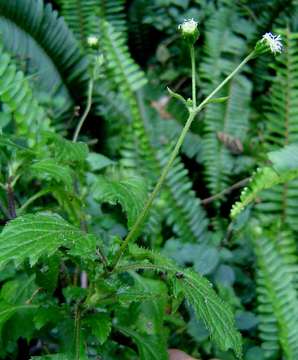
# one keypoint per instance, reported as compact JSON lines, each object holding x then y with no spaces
{"x":273,"y":41}
{"x":188,"y":26}
{"x":92,"y":40}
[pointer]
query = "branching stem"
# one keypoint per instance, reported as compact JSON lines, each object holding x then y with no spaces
{"x":193,"y":111}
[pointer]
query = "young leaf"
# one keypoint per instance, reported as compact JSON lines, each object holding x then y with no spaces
{"x":284,"y":168}
{"x":34,"y":236}
{"x":129,"y":191}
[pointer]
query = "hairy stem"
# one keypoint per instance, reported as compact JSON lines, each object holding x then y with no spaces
{"x":193,"y":76}
{"x":11,"y":200}
{"x":86,"y":112}
{"x":193,"y":111}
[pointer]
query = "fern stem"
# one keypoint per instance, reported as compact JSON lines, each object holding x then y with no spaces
{"x":86,"y":112}
{"x":193,"y":76}
{"x":193,"y":111}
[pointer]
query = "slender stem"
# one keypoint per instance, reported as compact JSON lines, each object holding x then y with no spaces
{"x":226,"y":80}
{"x":31,"y":200}
{"x":192,"y":113}
{"x":193,"y":76}
{"x":86,"y":112}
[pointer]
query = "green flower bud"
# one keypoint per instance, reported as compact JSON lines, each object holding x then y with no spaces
{"x":92,"y":41}
{"x":189,"y":31}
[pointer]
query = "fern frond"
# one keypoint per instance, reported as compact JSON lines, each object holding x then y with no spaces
{"x":231,"y":117}
{"x":113,"y":11}
{"x":82,"y":17}
{"x":17,"y":97}
{"x":277,"y":293}
{"x":45,"y":46}
{"x":125,"y":72}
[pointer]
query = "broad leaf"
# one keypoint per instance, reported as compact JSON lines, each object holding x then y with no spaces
{"x":100,"y":325}
{"x":33,"y":236}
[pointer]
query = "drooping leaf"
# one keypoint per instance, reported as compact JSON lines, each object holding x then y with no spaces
{"x":216,"y":315}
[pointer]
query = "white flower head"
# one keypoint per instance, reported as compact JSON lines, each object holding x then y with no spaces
{"x":189,"y":30}
{"x":188,"y":26}
{"x":92,"y":40}
{"x":273,"y":41}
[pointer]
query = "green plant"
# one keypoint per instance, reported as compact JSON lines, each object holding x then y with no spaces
{"x":114,"y":195}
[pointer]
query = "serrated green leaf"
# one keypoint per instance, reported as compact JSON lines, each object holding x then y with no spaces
{"x":49,"y":169}
{"x":100,"y":325}
{"x":33,"y":236}
{"x":84,"y":248}
{"x":216,"y":315}
{"x":130,"y":191}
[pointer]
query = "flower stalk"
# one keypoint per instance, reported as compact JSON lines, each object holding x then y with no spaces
{"x":193,"y":110}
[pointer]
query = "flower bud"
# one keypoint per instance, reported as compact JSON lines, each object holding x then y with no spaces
{"x":189,"y":31}
{"x":92,"y":41}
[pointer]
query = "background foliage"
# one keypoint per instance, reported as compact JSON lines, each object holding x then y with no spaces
{"x":62,"y":231}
